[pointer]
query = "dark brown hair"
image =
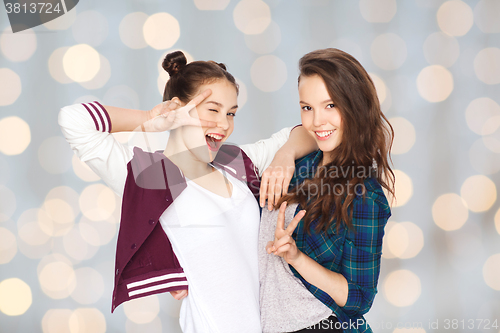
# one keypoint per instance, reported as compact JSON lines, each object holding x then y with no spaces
{"x":366,"y":140}
{"x":186,"y":79}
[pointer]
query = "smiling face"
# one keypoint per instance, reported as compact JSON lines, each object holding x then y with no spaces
{"x":220,"y":107}
{"x":320,"y":116}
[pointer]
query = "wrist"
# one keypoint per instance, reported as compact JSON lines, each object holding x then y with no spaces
{"x":299,"y":260}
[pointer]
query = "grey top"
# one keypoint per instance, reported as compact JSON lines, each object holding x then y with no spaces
{"x":285,"y":303}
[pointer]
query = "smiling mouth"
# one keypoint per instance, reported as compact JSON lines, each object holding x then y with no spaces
{"x":323,"y":135}
{"x":214,"y":141}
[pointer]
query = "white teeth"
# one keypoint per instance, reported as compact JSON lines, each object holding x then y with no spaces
{"x":215,"y":136}
{"x":323,"y":134}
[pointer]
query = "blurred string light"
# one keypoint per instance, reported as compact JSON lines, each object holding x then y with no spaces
{"x":33,"y":242}
{"x":252,"y":17}
{"x":380,"y":87}
{"x":89,"y":286}
{"x":15,"y":297}
{"x":211,"y":4}
{"x":455,"y":18}
{"x":18,"y":47}
{"x":402,"y":288}
{"x":402,"y":240}
{"x":479,"y":192}
{"x":491,"y":271}
{"x":268,"y":73}
{"x":56,"y":276}
{"x":265,"y":42}
{"x":404,"y":135}
{"x":487,"y":65}
{"x":130,"y":30}
{"x":441,"y":49}
{"x":15,"y":134}
{"x":486,"y":16}
{"x":80,"y":320}
{"x":378,"y":11}
{"x":55,"y":63}
{"x":480,"y":156}
{"x":403,"y":189}
{"x":161,"y":31}
{"x":102,"y":76}
{"x":97,"y":202}
{"x":389,"y":51}
{"x":450,"y":211}
{"x":81,"y":63}
{"x":83,"y":171}
{"x":142,"y":310}
{"x":10,"y":87}
{"x":435,"y":83}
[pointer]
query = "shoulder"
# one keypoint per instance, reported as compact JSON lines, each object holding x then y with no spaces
{"x":374,"y":196}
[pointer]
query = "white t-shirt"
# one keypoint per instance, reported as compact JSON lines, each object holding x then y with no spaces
{"x":215,"y":240}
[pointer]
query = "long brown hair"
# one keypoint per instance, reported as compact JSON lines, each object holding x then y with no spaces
{"x":186,"y":79}
{"x":365,"y":145}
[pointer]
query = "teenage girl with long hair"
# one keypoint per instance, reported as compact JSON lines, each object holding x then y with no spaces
{"x":320,"y":253}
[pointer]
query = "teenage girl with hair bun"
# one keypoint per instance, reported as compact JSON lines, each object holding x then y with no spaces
{"x":189,"y":213}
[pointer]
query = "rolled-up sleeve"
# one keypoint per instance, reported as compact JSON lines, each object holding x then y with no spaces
{"x":87,"y":128}
{"x":362,"y":253}
{"x":262,"y":152}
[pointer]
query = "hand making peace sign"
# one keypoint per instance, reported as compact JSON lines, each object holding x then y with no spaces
{"x":284,"y":245}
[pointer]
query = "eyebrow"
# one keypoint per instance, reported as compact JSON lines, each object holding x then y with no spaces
{"x":325,"y":101}
{"x":220,"y":105}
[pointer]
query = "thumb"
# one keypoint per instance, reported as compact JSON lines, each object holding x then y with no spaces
{"x":269,"y":246}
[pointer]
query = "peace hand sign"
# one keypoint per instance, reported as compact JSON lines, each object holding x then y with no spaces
{"x":169,"y":115}
{"x":284,"y":245}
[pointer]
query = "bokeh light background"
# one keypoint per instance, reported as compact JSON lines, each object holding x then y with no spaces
{"x":436,"y":66}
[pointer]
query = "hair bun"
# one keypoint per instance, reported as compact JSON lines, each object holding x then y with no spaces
{"x":221,"y":65}
{"x":174,"y":62}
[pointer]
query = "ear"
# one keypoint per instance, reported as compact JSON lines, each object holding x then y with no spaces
{"x":178,"y":101}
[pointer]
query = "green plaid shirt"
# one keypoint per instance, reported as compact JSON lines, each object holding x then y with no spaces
{"x":355,"y":254}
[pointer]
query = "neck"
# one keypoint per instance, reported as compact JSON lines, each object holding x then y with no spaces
{"x":184,"y":159}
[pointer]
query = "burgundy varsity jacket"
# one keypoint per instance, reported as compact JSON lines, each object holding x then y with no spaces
{"x":145,"y":262}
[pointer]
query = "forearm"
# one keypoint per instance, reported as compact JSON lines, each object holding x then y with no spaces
{"x":334,"y":284}
{"x":299,"y":144}
{"x":126,"y":120}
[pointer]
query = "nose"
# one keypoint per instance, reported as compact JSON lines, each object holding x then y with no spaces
{"x":222,"y":122}
{"x":318,"y":118}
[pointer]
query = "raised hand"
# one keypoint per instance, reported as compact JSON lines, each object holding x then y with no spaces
{"x":276,"y":179}
{"x":283,"y":244}
{"x":170,"y":115}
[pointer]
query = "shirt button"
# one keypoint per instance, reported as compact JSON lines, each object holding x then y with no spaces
{"x":151,"y":221}
{"x":117,"y":271}
{"x":133,"y":246}
{"x":244,"y":177}
{"x":167,"y":199}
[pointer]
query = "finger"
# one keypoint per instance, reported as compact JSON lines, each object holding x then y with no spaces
{"x":269,"y":247}
{"x":286,"y":182}
{"x":169,"y":106}
{"x":280,"y":224}
{"x":282,"y":241}
{"x":277,"y":190}
{"x":270,"y":193}
{"x":198,"y":99}
{"x":295,"y":221}
{"x":182,"y":294}
{"x":263,"y":189}
{"x":283,"y":249}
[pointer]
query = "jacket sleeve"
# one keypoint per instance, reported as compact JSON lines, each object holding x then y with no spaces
{"x":262,"y":152}
{"x":87,"y":128}
{"x":362,"y":253}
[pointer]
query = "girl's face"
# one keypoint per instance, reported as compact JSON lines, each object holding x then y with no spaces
{"x":220,"y":107}
{"x":319,"y":115}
